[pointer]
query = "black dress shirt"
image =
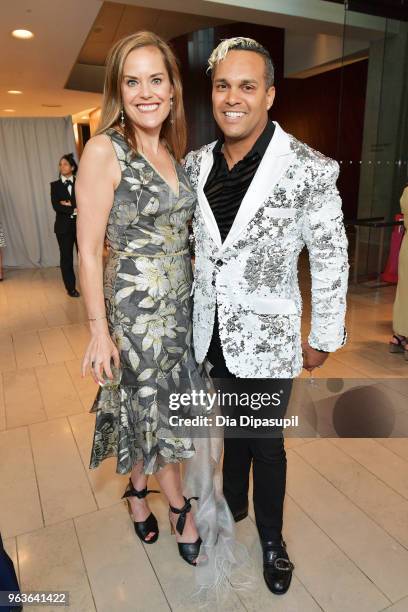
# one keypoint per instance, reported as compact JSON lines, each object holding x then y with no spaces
{"x":225,"y":189}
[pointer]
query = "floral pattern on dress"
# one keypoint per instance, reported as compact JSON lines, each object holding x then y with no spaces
{"x":147,"y":286}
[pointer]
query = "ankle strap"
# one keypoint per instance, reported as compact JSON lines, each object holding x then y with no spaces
{"x":181,"y":521}
{"x":132,"y":492}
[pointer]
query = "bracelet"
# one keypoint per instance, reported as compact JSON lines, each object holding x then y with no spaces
{"x":97,"y":318}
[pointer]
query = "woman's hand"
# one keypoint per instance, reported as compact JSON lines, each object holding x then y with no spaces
{"x":101,"y":349}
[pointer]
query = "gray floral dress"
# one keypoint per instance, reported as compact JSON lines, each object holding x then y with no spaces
{"x":147,"y":287}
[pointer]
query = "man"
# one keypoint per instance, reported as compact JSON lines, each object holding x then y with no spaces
{"x":262,"y":196}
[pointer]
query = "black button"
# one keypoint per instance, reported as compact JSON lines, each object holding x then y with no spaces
{"x":219,"y":262}
{"x":213,"y":282}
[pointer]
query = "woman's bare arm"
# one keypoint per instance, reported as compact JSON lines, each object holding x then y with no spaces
{"x":98,"y":175}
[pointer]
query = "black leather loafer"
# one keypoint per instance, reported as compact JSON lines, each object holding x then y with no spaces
{"x":277,"y":566}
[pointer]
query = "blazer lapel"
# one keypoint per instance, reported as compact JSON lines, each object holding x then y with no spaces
{"x":278,"y":156}
{"x":207,"y":160}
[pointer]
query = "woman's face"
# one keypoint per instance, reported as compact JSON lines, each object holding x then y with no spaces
{"x":146,"y":89}
{"x":65,"y":167}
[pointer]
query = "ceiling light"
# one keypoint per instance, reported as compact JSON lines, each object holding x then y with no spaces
{"x":14,"y":91}
{"x":84,"y":117}
{"x":22,"y":34}
{"x":9,"y":110}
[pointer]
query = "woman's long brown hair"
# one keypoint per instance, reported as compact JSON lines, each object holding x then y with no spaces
{"x":174,"y":134}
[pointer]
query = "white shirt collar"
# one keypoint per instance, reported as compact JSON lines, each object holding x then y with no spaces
{"x":67,"y":178}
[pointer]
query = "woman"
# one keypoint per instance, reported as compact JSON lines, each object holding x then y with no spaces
{"x":131,"y":186}
{"x":2,"y":245}
{"x":399,"y":342}
{"x":64,"y":204}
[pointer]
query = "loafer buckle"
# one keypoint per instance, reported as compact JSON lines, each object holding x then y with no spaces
{"x":283,"y":565}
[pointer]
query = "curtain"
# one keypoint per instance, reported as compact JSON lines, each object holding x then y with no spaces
{"x":30,"y":149}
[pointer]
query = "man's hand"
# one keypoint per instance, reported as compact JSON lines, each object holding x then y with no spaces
{"x":312,"y":358}
{"x":65,"y":202}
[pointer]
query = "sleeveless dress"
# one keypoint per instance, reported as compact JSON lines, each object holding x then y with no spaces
{"x":147,"y":287}
{"x":2,"y":237}
{"x":400,"y":322}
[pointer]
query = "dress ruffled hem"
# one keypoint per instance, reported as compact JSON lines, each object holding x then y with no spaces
{"x":132,"y":423}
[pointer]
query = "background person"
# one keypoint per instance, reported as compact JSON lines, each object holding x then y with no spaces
{"x":64,"y":203}
{"x":2,"y":245}
{"x":399,"y":342}
{"x":8,"y":578}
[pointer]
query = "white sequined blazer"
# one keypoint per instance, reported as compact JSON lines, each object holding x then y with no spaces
{"x":252,"y":276}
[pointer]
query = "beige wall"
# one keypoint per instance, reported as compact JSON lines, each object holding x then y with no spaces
{"x":94,"y":118}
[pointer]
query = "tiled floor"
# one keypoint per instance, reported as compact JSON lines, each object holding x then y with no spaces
{"x":346,"y":511}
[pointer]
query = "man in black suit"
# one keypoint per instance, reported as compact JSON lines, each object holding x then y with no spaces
{"x":64,"y":204}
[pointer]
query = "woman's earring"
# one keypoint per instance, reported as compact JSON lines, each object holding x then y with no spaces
{"x":171,"y":111}
{"x":122,"y":119}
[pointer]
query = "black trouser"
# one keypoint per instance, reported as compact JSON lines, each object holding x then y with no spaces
{"x":66,"y":244}
{"x":8,"y":578}
{"x":266,"y":454}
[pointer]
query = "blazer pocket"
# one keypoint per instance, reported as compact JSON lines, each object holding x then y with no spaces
{"x":270,"y":305}
{"x":280,"y":213}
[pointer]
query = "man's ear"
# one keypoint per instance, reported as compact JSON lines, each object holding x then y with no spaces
{"x":270,"y":96}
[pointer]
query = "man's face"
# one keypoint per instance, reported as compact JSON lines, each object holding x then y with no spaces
{"x":239,"y":95}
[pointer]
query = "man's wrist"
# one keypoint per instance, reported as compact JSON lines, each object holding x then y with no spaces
{"x":318,"y":350}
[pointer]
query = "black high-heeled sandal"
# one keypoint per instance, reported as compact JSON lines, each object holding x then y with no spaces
{"x":188,"y":551}
{"x":399,"y":345}
{"x":142,"y":528}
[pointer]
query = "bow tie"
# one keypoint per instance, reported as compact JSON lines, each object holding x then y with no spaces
{"x":68,"y":183}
